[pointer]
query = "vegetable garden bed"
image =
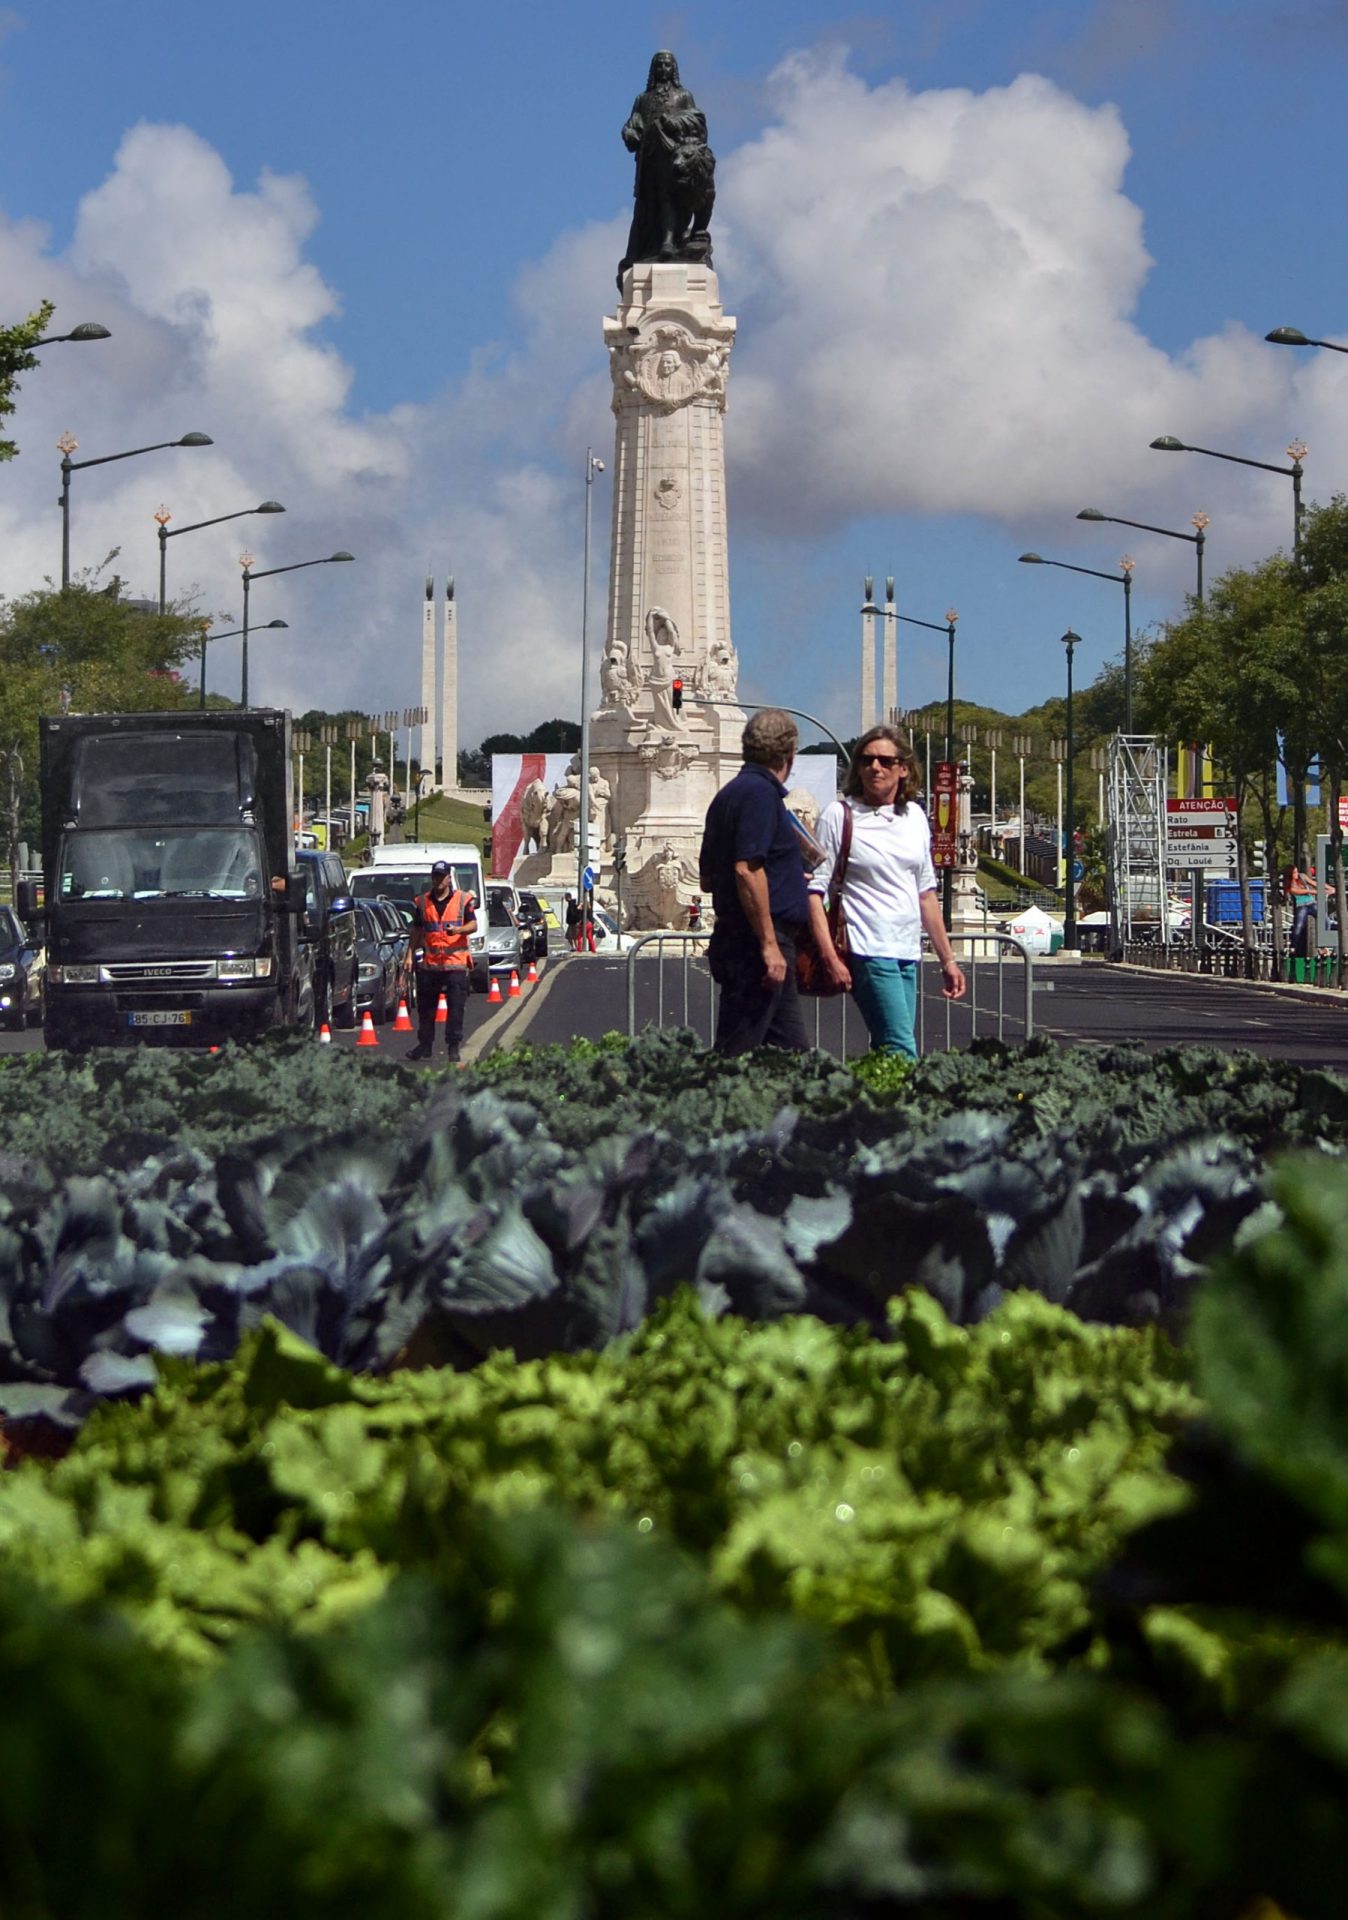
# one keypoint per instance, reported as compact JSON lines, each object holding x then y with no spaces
{"x":626,"y":1483}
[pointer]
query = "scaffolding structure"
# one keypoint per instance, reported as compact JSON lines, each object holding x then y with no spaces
{"x":1138,"y":778}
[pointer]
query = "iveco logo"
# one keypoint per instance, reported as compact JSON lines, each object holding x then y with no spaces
{"x":158,"y":973}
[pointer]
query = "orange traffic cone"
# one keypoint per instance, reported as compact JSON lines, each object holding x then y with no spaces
{"x":494,"y":992}
{"x":514,"y":993}
{"x":531,"y":978}
{"x":403,"y":1023}
{"x":368,"y":1036}
{"x":442,"y":1012}
{"x":325,"y":1035}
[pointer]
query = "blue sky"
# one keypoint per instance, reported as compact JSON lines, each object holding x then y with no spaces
{"x":980,"y":254}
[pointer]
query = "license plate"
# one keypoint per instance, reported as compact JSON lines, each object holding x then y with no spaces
{"x":161,"y":1017}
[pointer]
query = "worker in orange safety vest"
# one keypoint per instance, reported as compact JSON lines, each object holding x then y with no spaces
{"x":442,"y":919}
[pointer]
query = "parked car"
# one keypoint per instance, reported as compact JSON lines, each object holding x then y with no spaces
{"x":526,"y":922}
{"x":398,"y":922}
{"x":503,"y":936}
{"x":377,"y":965}
{"x":328,"y":925}
{"x":607,"y":935}
{"x":533,"y":915}
{"x":21,"y":969}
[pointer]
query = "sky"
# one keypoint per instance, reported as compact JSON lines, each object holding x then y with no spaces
{"x":980,"y":254}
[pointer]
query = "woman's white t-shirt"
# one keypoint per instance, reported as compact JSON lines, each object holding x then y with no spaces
{"x":888,"y":868}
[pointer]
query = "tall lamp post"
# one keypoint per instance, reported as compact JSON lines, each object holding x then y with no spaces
{"x":86,"y":330}
{"x":948,"y":629}
{"x":1296,"y":453}
{"x":246,"y":562}
{"x":1124,"y":578}
{"x":1069,"y":932}
{"x":207,"y":636}
{"x":164,"y":516}
{"x":1281,"y":337}
{"x":67,"y":444}
{"x":1197,"y":539}
{"x":593,"y":467}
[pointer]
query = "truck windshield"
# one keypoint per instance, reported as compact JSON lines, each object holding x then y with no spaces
{"x":212,"y":863}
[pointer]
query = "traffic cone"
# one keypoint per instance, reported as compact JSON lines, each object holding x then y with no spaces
{"x":442,"y":1012}
{"x":325,"y":1035}
{"x":531,"y":978}
{"x":494,"y":992}
{"x":368,"y":1036}
{"x":403,"y":1023}
{"x":514,"y":993}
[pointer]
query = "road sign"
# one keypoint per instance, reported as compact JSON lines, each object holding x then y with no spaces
{"x":1078,"y":870}
{"x":587,"y":880}
{"x":1201,"y":834}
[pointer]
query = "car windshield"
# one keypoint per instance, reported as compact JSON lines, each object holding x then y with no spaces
{"x":212,"y":863}
{"x":498,"y":913}
{"x":403,"y":888}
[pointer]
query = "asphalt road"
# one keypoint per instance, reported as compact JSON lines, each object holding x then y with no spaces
{"x":1091,"y":1003}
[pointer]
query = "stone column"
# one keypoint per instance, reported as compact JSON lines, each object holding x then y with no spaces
{"x":669,"y":586}
{"x":449,"y":712}
{"x":889,"y":700}
{"x":428,"y":693}
{"x":868,"y":656}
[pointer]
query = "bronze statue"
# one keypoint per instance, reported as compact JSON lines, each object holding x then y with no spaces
{"x":675,"y":185}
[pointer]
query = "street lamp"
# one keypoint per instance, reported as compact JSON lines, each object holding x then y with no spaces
{"x":593,"y":466}
{"x":1124,"y":578}
{"x":948,"y":629}
{"x":1296,"y":453}
{"x":86,"y":330}
{"x":1281,"y":337}
{"x":67,"y":444}
{"x":1069,"y":932}
{"x":207,"y":636}
{"x":164,"y":516}
{"x":246,"y":562}
{"x":1199,"y":521}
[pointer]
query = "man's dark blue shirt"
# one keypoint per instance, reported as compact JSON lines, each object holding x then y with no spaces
{"x":748,"y":820}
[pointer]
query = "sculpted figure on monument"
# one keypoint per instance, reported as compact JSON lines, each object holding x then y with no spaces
{"x":722,"y":674}
{"x":565,"y":811}
{"x":600,"y":795}
{"x":535,"y":806}
{"x":615,"y":677}
{"x":675,"y":185}
{"x":663,"y":636}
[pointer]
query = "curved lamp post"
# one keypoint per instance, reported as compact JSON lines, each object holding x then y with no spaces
{"x":207,"y":636}
{"x":246,"y":562}
{"x":67,"y":444}
{"x":1069,"y":931}
{"x":164,"y":516}
{"x":1199,"y":521}
{"x":593,"y":466}
{"x":948,"y":629}
{"x":1296,"y":453}
{"x":1281,"y":337}
{"x":1123,"y":578}
{"x":86,"y":330}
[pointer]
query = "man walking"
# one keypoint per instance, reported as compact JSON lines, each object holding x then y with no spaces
{"x":751,"y":866}
{"x":442,"y":920}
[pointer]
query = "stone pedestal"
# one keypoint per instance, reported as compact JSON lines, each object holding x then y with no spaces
{"x":669,"y":593}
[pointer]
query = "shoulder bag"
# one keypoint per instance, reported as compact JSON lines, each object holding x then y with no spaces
{"x":812,"y":976}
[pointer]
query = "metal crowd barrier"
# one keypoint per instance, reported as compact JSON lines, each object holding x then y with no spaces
{"x":685,"y":994}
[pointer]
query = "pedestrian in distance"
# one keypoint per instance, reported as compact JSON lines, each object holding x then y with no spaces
{"x":1298,"y":885}
{"x":889,"y":896}
{"x":585,"y":944}
{"x":572,"y":923}
{"x":751,"y":866}
{"x":442,"y":919}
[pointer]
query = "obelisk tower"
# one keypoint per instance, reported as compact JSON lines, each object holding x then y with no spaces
{"x":449,"y":712}
{"x":429,"y":700}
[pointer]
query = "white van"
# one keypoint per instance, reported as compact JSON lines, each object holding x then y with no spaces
{"x":401,"y":872}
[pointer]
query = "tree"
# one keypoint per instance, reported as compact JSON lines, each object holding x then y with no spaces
{"x":86,"y":650}
{"x":1232,"y":673}
{"x":16,"y":357}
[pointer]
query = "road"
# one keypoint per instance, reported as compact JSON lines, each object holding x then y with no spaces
{"x":1092,"y":1004}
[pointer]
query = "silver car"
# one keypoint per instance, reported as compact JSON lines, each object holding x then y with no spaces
{"x":503,"y":939}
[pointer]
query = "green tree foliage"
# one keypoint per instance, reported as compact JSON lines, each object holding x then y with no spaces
{"x":16,"y":357}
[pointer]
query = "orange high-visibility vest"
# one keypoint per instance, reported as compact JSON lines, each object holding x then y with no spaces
{"x":444,"y":942}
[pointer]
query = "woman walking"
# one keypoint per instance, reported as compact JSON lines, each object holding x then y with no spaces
{"x":888,"y":890}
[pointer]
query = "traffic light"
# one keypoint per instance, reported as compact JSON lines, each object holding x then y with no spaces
{"x":620,"y":856}
{"x":678,"y":696}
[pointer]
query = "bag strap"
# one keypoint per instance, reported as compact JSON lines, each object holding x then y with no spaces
{"x":835,"y":885}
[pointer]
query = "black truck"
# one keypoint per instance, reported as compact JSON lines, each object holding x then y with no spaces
{"x":172,"y":907}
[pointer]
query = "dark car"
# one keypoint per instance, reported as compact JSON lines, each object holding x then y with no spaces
{"x":329,"y":931}
{"x":378,"y":955}
{"x":534,"y":921}
{"x":20,"y":973}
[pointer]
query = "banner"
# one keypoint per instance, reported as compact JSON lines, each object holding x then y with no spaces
{"x":945,"y":814}
{"x":511,"y":775}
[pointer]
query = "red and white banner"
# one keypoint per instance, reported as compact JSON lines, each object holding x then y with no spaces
{"x":511,"y":774}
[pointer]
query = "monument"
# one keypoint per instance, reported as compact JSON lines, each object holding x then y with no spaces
{"x":439,"y":743}
{"x":656,"y":743}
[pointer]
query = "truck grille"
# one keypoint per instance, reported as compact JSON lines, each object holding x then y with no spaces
{"x":150,"y":972}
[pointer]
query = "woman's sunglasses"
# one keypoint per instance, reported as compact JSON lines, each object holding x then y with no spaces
{"x":881,"y":760}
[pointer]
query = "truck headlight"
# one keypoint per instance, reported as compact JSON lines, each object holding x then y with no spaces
{"x":249,"y":969}
{"x":6,"y":970}
{"x":74,"y":976}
